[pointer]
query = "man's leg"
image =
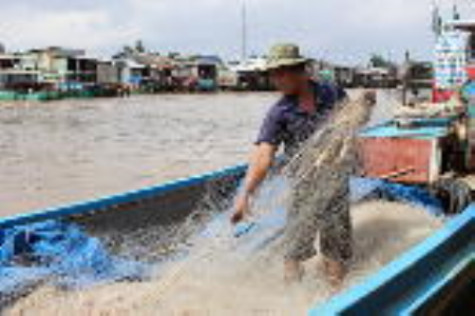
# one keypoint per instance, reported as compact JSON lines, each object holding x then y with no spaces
{"x":336,"y":238}
{"x":299,"y":239}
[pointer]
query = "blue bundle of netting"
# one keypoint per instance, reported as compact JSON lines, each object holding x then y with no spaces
{"x":58,"y":252}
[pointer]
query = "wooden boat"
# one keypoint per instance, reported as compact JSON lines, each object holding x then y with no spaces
{"x":438,"y":267}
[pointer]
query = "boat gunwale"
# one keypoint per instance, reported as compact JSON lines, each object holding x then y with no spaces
{"x":84,"y":207}
{"x":438,"y":286}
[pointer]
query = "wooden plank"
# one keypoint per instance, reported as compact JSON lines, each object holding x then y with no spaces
{"x":389,"y":155}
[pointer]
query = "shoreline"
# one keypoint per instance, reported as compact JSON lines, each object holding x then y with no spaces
{"x":50,"y":96}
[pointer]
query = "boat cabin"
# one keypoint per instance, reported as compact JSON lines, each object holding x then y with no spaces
{"x":454,"y":58}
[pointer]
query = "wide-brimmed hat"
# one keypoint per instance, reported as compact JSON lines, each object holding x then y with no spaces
{"x":284,"y":55}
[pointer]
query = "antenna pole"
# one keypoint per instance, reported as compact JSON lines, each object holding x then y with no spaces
{"x":244,"y":29}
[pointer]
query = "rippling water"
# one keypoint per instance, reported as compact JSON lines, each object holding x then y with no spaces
{"x":71,"y":150}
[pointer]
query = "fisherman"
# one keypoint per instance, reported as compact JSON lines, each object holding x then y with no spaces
{"x":304,"y":105}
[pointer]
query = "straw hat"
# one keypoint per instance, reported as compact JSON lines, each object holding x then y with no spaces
{"x":283,"y":55}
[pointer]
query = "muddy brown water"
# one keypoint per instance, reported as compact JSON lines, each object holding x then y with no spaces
{"x":72,"y":150}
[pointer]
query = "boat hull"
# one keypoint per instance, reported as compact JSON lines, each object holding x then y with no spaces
{"x":406,"y":285}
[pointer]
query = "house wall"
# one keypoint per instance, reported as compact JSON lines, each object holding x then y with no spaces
{"x":29,"y":62}
{"x":107,"y":73}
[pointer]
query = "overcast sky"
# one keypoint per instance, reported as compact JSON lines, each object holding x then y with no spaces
{"x":345,"y":31}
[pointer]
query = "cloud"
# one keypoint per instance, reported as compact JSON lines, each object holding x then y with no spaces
{"x":342,"y":30}
{"x":93,"y":30}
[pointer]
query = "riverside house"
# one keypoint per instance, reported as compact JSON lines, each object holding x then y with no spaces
{"x":12,"y":75}
{"x":65,"y":69}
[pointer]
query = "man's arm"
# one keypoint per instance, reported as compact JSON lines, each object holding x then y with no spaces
{"x":262,"y":158}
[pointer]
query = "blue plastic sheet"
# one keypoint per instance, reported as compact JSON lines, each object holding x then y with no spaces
{"x":411,"y":194}
{"x":61,"y":253}
{"x":392,"y":130}
{"x":268,"y":226}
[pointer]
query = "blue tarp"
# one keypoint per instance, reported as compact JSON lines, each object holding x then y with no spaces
{"x":411,"y":194}
{"x":361,"y":189}
{"x":263,"y":229}
{"x":61,"y":253}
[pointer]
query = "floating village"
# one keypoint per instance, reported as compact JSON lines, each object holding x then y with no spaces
{"x":55,"y":72}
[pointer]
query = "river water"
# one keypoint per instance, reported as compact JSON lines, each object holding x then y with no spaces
{"x":71,"y":150}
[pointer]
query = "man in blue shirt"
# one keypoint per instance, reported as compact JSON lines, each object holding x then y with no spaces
{"x":293,"y":119}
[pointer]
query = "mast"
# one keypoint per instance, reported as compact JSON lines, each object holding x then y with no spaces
{"x":243,"y":30}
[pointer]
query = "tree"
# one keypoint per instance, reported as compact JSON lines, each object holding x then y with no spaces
{"x":379,"y":61}
{"x":173,"y":54}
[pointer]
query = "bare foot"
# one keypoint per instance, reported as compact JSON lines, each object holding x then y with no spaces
{"x":293,"y":271}
{"x":335,"y":272}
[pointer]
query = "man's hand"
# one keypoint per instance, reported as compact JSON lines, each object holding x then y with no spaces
{"x":241,"y":208}
{"x":261,"y":161}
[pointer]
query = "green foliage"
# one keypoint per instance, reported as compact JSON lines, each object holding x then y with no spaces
{"x":379,"y":61}
{"x":139,"y":46}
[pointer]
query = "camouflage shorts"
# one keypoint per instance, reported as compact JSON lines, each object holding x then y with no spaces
{"x":332,"y":222}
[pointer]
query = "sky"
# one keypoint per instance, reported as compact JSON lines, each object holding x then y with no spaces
{"x":343,"y":31}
